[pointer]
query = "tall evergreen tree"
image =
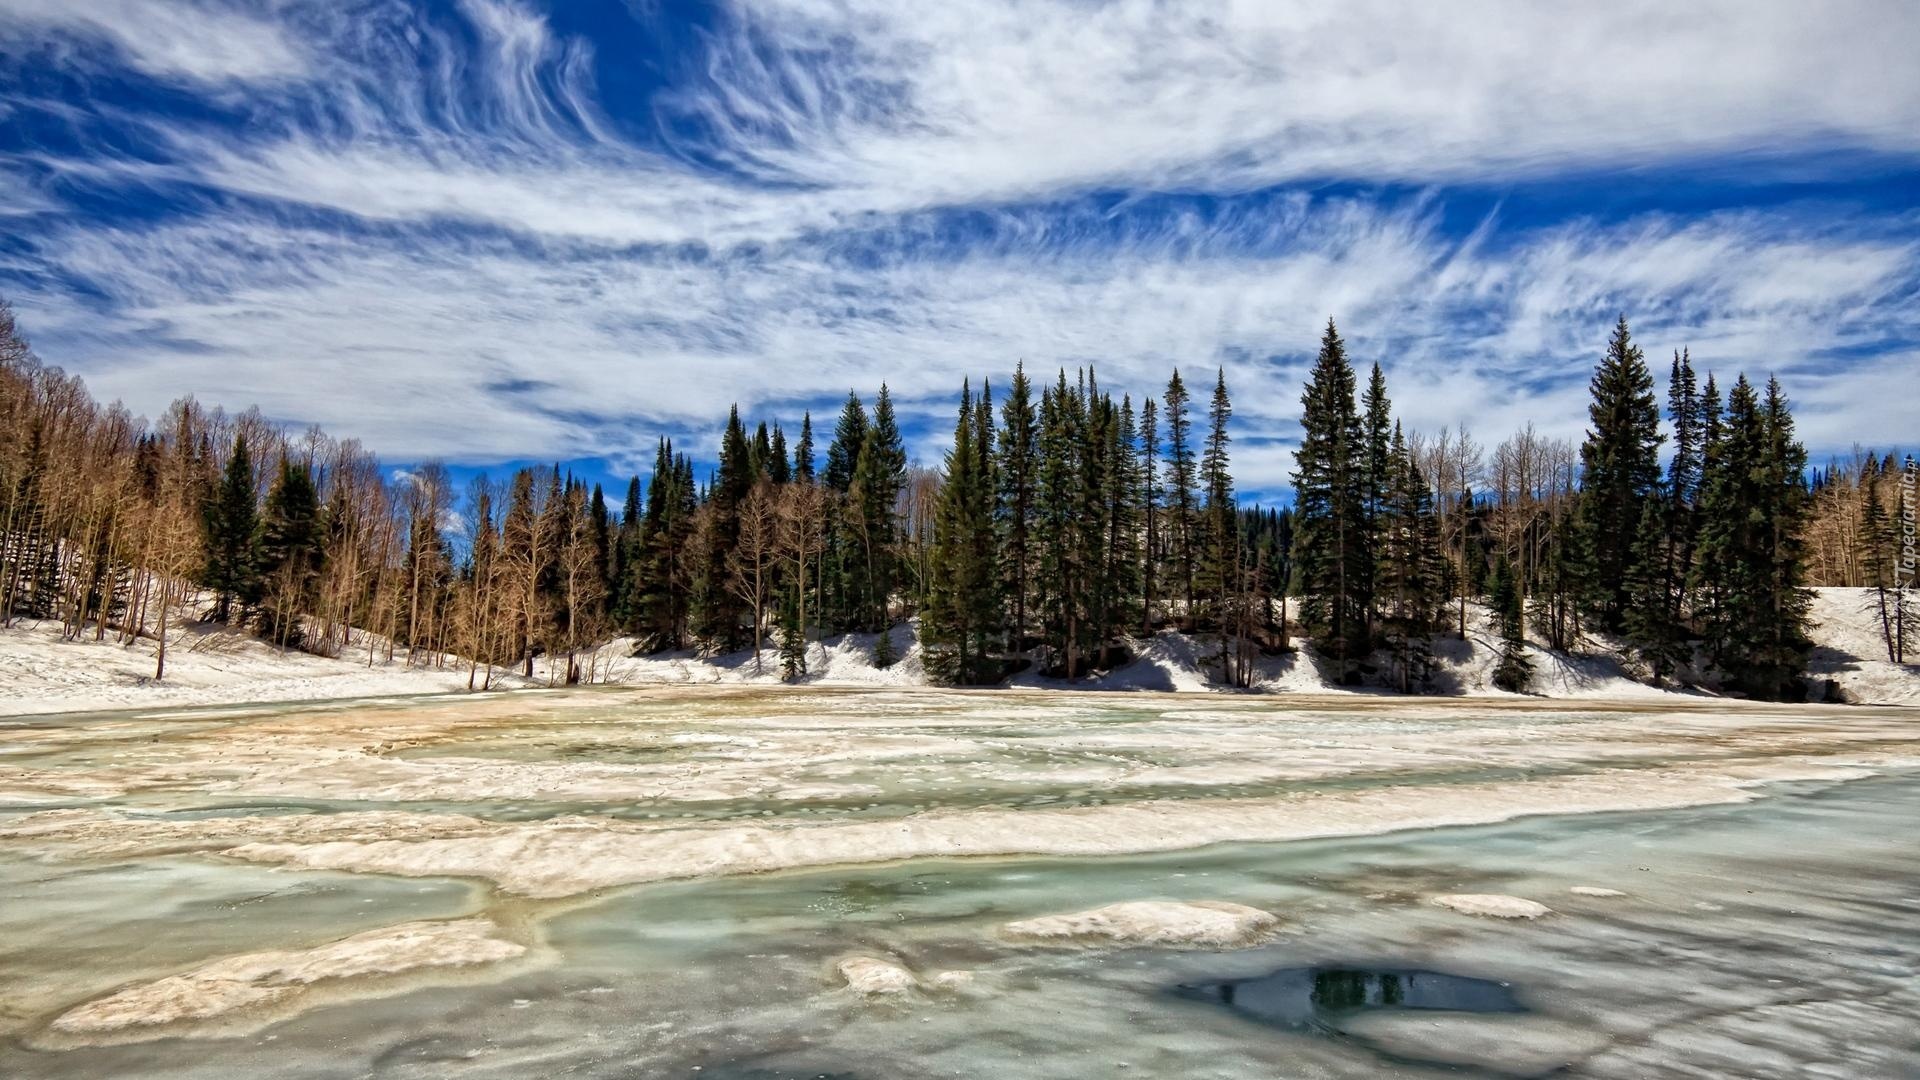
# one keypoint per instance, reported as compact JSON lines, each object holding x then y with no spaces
{"x":1376,"y":478}
{"x":292,"y":550}
{"x":1407,"y":577}
{"x":1149,"y":508}
{"x":1222,"y":533}
{"x":1017,"y":473}
{"x":1180,"y":503}
{"x":232,"y":531}
{"x":779,"y":468}
{"x":1513,"y":671}
{"x":803,"y":450}
{"x":1620,"y":467}
{"x":1330,"y":542}
{"x":961,"y":614}
{"x":1748,"y":576}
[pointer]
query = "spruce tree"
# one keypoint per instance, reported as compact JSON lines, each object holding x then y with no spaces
{"x":960,"y":611}
{"x":779,"y":468}
{"x":1180,"y":490}
{"x":793,"y":640}
{"x":1651,"y":629}
{"x":1017,"y":473}
{"x":1407,"y":583}
{"x":1620,"y":471}
{"x":1753,"y":608}
{"x":1150,"y":494}
{"x":231,"y":528}
{"x":1330,"y":544}
{"x":803,"y":450}
{"x":1514,"y":670}
{"x":1222,"y":534}
{"x":717,"y":616}
{"x":1376,"y":476}
{"x":292,"y":549}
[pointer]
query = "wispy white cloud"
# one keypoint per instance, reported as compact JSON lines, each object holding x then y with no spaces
{"x":788,"y":234}
{"x":588,"y":353}
{"x":171,"y":39}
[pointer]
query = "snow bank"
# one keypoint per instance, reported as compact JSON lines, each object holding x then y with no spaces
{"x":254,"y":980}
{"x":1850,"y":650}
{"x":40,"y":673}
{"x":207,"y":664}
{"x":1201,"y":923}
{"x":1494,"y":905}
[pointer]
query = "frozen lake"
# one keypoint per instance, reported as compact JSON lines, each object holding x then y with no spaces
{"x":638,"y":883}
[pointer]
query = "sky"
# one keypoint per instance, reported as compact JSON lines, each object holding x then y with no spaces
{"x":499,"y":231}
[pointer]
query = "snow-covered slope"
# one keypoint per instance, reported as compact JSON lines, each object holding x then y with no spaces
{"x":206,"y":665}
{"x":1850,"y":650}
{"x":40,"y":673}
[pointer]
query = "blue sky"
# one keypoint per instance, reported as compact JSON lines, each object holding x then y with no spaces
{"x":494,"y":231}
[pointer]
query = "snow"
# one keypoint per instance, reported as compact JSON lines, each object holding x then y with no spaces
{"x":276,"y":977}
{"x":568,"y":856}
{"x":871,"y":975}
{"x":209,"y":665}
{"x":1201,"y":923}
{"x":1596,"y":892}
{"x":1494,"y":905}
{"x":1849,"y":649}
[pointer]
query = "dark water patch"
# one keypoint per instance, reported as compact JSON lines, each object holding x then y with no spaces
{"x":1320,"y":997}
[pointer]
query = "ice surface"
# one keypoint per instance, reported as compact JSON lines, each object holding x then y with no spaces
{"x":692,"y":866}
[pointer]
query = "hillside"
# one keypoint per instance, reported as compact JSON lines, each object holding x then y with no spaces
{"x":210,"y":665}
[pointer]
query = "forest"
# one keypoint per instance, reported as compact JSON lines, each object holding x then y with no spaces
{"x":1062,"y":527}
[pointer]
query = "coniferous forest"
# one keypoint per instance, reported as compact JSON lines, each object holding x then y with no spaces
{"x":1065,"y":525}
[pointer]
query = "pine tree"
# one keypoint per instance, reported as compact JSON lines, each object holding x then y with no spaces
{"x":600,"y":528}
{"x":716,"y":614}
{"x":1652,"y":631}
{"x":1222,"y":533}
{"x":1150,"y":494}
{"x":1376,"y":478}
{"x":962,"y":609}
{"x":879,"y":472}
{"x":793,"y":638}
{"x":1753,"y":608}
{"x":1180,"y":489}
{"x":1330,"y":546}
{"x":1017,"y":474}
{"x":291,"y":551}
{"x":779,"y":467}
{"x":231,"y":528}
{"x":1514,"y":671}
{"x":1407,"y":585}
{"x":803,"y":450}
{"x":1620,"y":466}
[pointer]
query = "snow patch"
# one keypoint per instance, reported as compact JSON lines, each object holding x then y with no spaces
{"x":1495,"y":905}
{"x":277,"y":977}
{"x":870,"y":975}
{"x":1197,"y":923}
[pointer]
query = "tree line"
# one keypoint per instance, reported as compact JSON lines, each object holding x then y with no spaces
{"x":1063,"y":528}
